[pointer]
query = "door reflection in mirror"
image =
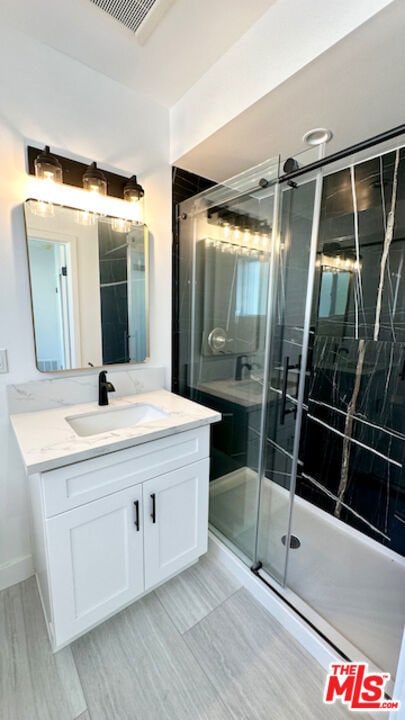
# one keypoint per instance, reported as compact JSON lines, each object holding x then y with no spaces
{"x":51,"y":302}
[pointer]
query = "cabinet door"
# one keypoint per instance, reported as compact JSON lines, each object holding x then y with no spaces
{"x":95,"y":555}
{"x":176,"y":520}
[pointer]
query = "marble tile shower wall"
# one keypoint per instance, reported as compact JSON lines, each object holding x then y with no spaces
{"x":356,"y":392}
{"x":184,"y":186}
{"x":114,"y":308}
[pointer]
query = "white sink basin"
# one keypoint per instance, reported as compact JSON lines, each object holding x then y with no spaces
{"x":105,"y":420}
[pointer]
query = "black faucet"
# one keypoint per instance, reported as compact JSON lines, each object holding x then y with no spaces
{"x":104,"y":387}
{"x":240,"y":365}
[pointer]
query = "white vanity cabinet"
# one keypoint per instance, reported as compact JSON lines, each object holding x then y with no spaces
{"x":109,"y":529}
{"x":175,"y":521}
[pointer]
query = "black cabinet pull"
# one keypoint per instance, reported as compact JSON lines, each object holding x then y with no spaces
{"x":136,"y":521}
{"x":153,"y":513}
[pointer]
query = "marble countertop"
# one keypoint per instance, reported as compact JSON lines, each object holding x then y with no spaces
{"x":247,"y":393}
{"x":47,"y":441}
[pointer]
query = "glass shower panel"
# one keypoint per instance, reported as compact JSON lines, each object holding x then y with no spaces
{"x":350,"y":492}
{"x":226,"y":236}
{"x":291,"y":261}
{"x":233,"y":270}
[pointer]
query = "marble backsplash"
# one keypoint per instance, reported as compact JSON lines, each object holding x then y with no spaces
{"x":57,"y":392}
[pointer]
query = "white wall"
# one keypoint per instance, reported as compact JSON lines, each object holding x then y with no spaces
{"x":287,"y":38}
{"x":48,"y":98}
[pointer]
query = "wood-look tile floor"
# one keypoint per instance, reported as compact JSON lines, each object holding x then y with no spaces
{"x":198,"y":648}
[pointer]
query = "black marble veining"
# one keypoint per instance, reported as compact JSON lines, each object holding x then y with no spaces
{"x":353,"y":440}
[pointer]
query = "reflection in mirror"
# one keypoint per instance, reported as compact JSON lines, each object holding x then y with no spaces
{"x":234,"y":298}
{"x":334,"y":293}
{"x":88,"y":277}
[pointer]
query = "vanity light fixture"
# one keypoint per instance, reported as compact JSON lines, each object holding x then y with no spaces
{"x":91,"y":191}
{"x":133,"y":191}
{"x":238,"y":232}
{"x":134,"y":194}
{"x":48,"y":170}
{"x":48,"y":167}
{"x":94,"y":180}
{"x":346,"y":262}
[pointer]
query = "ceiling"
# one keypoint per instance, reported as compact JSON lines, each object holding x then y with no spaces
{"x":356,"y":89}
{"x":190,"y":37}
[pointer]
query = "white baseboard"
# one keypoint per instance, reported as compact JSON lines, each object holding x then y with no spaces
{"x":16,"y":571}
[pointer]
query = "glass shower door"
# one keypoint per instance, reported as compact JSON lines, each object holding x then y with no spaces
{"x":350,"y":494}
{"x":226,"y":234}
{"x":287,"y":354}
{"x":334,"y":453}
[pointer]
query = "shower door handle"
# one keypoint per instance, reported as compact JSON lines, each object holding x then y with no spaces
{"x":283,"y":411}
{"x":286,"y":368}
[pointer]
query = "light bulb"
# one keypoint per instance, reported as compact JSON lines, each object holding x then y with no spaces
{"x":48,"y":167}
{"x":133,"y":191}
{"x":226,"y":230}
{"x":94,"y":180}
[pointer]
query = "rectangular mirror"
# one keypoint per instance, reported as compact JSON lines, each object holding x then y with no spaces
{"x":89,"y":287}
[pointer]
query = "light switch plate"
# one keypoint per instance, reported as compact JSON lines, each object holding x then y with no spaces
{"x":3,"y":361}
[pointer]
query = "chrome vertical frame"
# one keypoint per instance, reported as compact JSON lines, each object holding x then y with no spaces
{"x":268,"y":350}
{"x":304,"y":356}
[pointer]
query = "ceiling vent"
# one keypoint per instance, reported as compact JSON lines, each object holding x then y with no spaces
{"x":136,"y":13}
